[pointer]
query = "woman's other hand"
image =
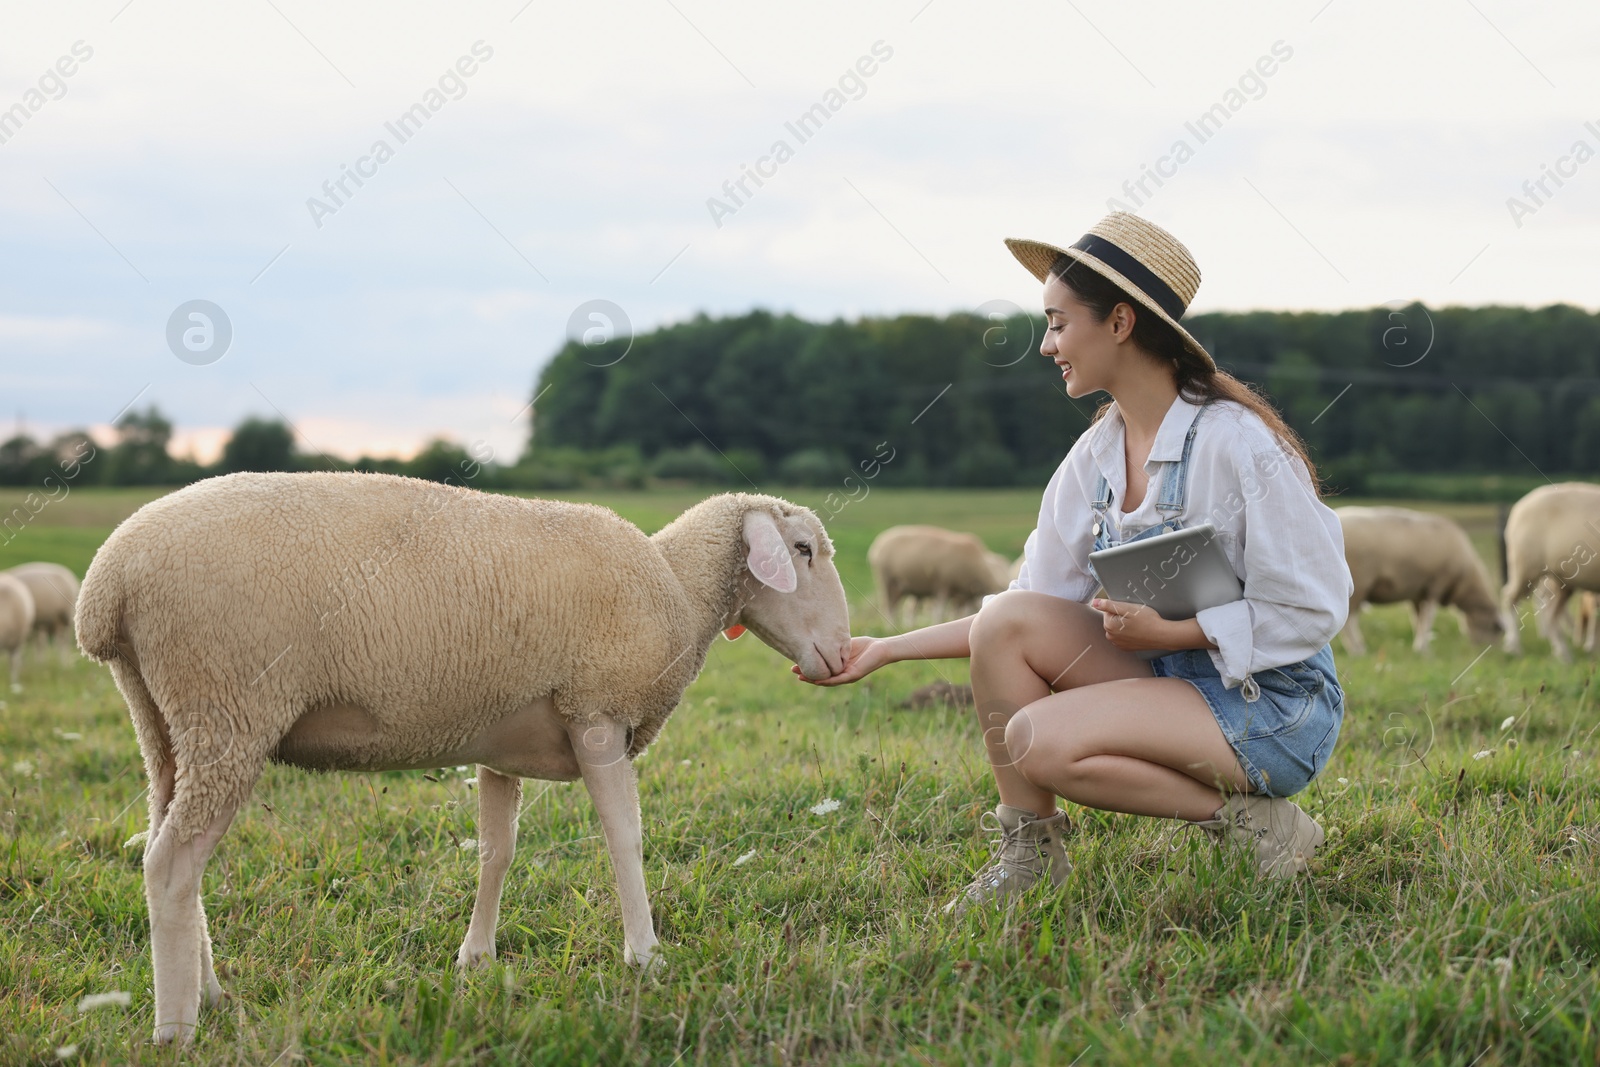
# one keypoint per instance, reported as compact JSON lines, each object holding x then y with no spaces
{"x":1135,"y":627}
{"x":867,"y":654}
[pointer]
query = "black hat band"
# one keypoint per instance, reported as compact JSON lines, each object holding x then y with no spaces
{"x":1137,"y":273}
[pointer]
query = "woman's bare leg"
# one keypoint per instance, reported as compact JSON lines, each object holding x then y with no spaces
{"x":1113,"y":736}
{"x":1146,"y":746}
{"x":1024,"y":646}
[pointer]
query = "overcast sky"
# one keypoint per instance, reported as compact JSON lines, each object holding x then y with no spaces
{"x":1358,"y":153}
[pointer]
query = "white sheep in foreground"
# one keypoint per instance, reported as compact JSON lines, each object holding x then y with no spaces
{"x":370,"y":622}
{"x":55,"y":596}
{"x":16,"y":620}
{"x":955,"y":569}
{"x":1423,"y":559}
{"x":1553,"y":535}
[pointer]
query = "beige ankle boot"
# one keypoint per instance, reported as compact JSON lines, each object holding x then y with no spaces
{"x":1030,"y":848}
{"x":1283,"y":837}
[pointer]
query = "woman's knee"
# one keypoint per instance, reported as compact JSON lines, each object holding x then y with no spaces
{"x":1031,"y":748}
{"x":999,"y":622}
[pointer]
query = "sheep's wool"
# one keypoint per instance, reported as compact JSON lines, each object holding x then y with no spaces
{"x":230,"y":608}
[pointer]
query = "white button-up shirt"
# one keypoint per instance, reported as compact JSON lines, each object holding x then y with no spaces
{"x":1286,"y":546}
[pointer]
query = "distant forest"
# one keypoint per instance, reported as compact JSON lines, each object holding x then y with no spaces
{"x":967,"y":400}
{"x":1484,"y":401}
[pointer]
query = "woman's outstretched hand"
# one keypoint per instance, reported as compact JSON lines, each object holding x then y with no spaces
{"x":867,"y":654}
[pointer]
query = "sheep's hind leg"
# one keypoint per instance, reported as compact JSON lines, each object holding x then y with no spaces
{"x":178,"y":937}
{"x":160,"y":800}
{"x":499,"y":797}
{"x":602,"y":750}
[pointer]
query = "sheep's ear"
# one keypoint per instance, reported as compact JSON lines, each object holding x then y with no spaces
{"x":767,"y":555}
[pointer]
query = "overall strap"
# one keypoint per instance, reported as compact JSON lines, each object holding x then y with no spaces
{"x":1102,"y":494}
{"x":1175,"y":483}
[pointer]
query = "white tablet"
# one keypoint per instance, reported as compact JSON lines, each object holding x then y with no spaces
{"x":1179,"y":574}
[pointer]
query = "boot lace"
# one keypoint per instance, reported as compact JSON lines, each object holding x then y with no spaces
{"x":1011,"y":854}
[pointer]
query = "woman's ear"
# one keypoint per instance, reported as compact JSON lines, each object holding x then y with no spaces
{"x":1123,"y":317}
{"x":766,"y":553}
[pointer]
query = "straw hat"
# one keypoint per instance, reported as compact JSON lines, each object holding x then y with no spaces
{"x":1150,"y":264}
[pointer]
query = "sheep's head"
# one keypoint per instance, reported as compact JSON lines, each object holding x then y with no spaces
{"x":797,"y":603}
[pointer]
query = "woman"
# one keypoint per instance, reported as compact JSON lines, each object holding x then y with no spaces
{"x":1246,"y":712}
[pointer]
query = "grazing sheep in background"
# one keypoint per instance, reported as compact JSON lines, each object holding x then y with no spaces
{"x":1396,"y":554}
{"x":16,"y":621}
{"x":955,"y":569}
{"x":370,"y":622}
{"x":1552,"y":533}
{"x":55,"y":596}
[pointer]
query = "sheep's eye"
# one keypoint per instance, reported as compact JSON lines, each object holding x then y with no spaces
{"x":804,"y":547}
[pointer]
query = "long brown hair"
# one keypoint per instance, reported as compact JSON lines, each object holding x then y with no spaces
{"x":1196,"y":379}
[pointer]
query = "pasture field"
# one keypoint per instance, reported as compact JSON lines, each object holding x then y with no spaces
{"x":1453,"y":916}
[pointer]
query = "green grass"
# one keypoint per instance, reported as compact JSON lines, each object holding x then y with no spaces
{"x":1453,"y":916}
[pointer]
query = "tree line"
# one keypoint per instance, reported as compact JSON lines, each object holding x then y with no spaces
{"x":1496,"y":397}
{"x":1380,"y":394}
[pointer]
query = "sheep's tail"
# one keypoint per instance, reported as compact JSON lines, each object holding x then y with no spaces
{"x":98,"y":618}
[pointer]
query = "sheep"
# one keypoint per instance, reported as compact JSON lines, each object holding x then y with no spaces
{"x":1396,"y":554}
{"x":346,"y":621}
{"x":55,"y":595}
{"x":16,"y":621}
{"x":954,"y":568}
{"x":1552,"y":541}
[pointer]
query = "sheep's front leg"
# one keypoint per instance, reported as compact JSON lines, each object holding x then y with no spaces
{"x":602,"y":750}
{"x":1355,"y":642}
{"x":499,"y":797}
{"x":1422,"y":614}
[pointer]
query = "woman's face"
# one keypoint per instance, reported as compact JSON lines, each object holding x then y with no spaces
{"x":1088,"y":352}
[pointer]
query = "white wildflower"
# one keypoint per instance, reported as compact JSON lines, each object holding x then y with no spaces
{"x":1512,"y":742}
{"x":66,"y":1052}
{"x":22,"y":768}
{"x":1510,"y":719}
{"x":470,"y":842}
{"x":1503,"y":965}
{"x":1485,"y":754}
{"x":825,"y":806}
{"x":16,"y":687}
{"x":1344,"y":781}
{"x":746,"y":858}
{"x":115,"y":999}
{"x":137,"y":840}
{"x":465,"y":767}
{"x":687,"y":763}
{"x":470,"y":782}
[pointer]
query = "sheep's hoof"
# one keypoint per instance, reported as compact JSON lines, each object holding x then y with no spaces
{"x":647,"y":959}
{"x":173,"y":1034}
{"x":472,"y":956}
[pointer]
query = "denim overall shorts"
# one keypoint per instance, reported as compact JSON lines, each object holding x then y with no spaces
{"x":1282,"y":722}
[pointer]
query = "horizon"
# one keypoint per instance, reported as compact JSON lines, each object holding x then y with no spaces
{"x":204,"y":444}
